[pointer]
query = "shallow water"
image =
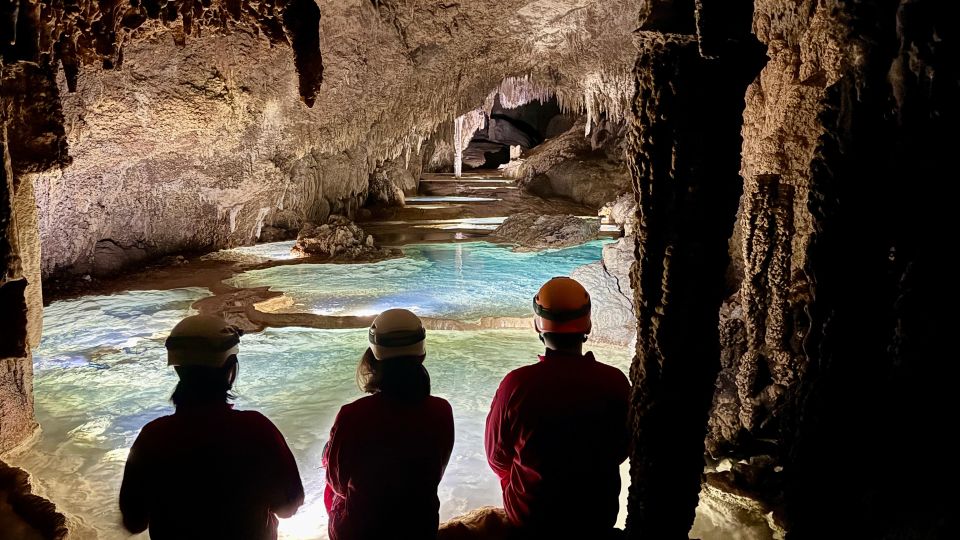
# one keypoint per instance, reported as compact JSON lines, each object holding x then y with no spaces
{"x":100,"y":371}
{"x":463,"y":281}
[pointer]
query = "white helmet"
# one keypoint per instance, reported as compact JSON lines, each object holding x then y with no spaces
{"x":202,"y":340}
{"x":397,"y":332}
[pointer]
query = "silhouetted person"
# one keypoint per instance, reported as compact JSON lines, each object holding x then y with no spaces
{"x":388,"y":451}
{"x":208,"y":471}
{"x":557,"y":430}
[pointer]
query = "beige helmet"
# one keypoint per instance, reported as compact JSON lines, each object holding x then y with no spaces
{"x":397,"y":332}
{"x":202,"y":340}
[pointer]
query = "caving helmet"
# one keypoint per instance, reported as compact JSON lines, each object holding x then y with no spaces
{"x":395,"y":333}
{"x":203,"y":341}
{"x":562,"y":306}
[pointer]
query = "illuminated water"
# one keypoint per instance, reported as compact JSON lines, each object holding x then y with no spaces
{"x":100,"y":372}
{"x":463,"y":281}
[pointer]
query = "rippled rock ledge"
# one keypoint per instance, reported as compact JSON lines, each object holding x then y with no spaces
{"x":530,"y":232}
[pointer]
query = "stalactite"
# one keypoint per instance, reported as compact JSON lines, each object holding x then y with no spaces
{"x":94,"y":32}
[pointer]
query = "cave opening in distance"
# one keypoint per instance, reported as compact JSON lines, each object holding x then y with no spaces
{"x":508,"y":132}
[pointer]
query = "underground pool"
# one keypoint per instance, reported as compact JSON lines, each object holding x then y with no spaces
{"x":100,"y":372}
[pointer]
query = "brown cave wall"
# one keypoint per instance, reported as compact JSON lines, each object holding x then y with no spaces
{"x":200,"y":141}
{"x":683,"y":155}
{"x":31,"y":140}
{"x":762,"y":321}
{"x":870,"y":435}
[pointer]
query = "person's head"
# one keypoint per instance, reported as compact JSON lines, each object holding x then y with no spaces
{"x":393,"y":364}
{"x":562,"y":314}
{"x":203,"y":350}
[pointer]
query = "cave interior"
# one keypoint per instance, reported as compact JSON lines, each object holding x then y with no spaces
{"x":769,"y":178}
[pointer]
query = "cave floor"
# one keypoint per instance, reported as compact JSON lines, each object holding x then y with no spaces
{"x":445,"y":210}
{"x":449,"y":209}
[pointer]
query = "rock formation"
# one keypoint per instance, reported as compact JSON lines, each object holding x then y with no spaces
{"x":588,"y":170}
{"x":339,"y":239}
{"x":608,"y":282}
{"x":23,"y":515}
{"x":530,"y":231}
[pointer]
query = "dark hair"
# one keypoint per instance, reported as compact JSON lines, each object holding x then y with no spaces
{"x":200,"y":385}
{"x":403,"y":377}
{"x":564,"y":341}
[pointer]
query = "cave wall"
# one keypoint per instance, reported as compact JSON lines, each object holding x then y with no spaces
{"x":879,"y":379}
{"x":200,"y":141}
{"x":763,"y":321}
{"x":26,"y":148}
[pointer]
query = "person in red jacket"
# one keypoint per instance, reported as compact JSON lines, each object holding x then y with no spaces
{"x":557,"y":431}
{"x":208,"y":471}
{"x":387,"y":451}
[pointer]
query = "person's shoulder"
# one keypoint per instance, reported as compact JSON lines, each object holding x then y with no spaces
{"x":614,"y":373}
{"x":255,"y":418}
{"x":439,"y":404}
{"x":360,"y":404}
{"x":157,"y":429}
{"x":159,"y":424}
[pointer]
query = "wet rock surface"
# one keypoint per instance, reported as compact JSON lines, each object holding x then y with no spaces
{"x":338,"y":238}
{"x":608,"y":282}
{"x":531,"y":231}
{"x":23,"y":515}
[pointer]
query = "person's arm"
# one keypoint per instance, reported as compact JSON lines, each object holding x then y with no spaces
{"x":287,"y":493}
{"x":134,"y":489}
{"x":335,"y":460}
{"x":448,"y":435}
{"x":499,"y":439}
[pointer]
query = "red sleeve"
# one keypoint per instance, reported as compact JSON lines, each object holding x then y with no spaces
{"x":286,"y":494}
{"x":134,"y":489}
{"x":499,"y":438}
{"x":335,"y":461}
{"x":448,"y":435}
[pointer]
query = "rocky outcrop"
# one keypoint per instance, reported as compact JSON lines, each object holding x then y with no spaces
{"x":23,"y":151}
{"x":586,"y":169}
{"x":393,"y":180}
{"x":25,"y":516}
{"x":338,"y":238}
{"x":608,"y":282}
{"x":623,"y":212}
{"x":94,"y":33}
{"x":684,"y":161}
{"x":485,"y":523}
{"x":530,"y":231}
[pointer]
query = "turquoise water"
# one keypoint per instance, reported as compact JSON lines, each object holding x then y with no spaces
{"x":463,"y":281}
{"x":101,"y":374}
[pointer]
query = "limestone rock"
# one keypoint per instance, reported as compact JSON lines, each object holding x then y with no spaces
{"x":484,"y":523}
{"x":531,"y":231}
{"x":588,"y":170}
{"x":608,"y":282}
{"x":338,"y":238}
{"x":623,"y":212}
{"x":24,"y":515}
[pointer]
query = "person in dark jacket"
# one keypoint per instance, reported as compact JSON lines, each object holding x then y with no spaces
{"x":208,"y":471}
{"x":388,"y":451}
{"x":557,"y":430}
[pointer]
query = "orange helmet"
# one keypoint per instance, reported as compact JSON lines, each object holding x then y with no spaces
{"x":562,"y":306}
